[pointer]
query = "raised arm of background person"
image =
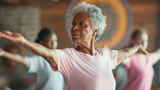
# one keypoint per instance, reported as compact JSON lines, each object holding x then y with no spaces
{"x":49,"y":54}
{"x":155,"y":56}
{"x":124,"y":54}
{"x":15,"y":57}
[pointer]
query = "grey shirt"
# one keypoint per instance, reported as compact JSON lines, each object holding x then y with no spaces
{"x":46,"y":78}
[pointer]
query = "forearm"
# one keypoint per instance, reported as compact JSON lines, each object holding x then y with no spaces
{"x":15,"y":57}
{"x":130,"y":51}
{"x":36,"y":48}
{"x":155,"y":56}
{"x":126,"y":53}
{"x":49,"y":54}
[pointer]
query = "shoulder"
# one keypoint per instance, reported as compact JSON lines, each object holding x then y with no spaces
{"x":65,"y":51}
{"x":102,"y":50}
{"x":34,"y":60}
{"x":35,"y":57}
{"x":64,"y":54}
{"x":106,"y":51}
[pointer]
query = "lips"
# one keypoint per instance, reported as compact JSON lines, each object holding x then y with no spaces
{"x":74,"y":34}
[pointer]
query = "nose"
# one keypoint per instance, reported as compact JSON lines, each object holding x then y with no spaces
{"x":75,"y":27}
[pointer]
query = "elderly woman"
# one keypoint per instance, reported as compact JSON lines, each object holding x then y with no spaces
{"x":83,"y":67}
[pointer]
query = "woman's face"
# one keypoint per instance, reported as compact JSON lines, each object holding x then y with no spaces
{"x":81,"y":30}
{"x":142,"y":39}
{"x":50,"y":41}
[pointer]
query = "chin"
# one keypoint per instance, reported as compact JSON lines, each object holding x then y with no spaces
{"x":76,"y":41}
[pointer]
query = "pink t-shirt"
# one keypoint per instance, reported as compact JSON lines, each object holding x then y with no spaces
{"x":139,"y":75}
{"x":86,"y":72}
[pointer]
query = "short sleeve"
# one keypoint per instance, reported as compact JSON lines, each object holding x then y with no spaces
{"x":32,"y":63}
{"x":64,"y":61}
{"x":113,"y":55}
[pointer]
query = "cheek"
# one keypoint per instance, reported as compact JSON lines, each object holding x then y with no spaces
{"x":86,"y":33}
{"x":47,"y":45}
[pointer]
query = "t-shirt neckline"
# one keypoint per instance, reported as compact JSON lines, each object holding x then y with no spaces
{"x":86,"y":53}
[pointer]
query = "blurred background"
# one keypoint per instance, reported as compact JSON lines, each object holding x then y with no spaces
{"x":28,"y":17}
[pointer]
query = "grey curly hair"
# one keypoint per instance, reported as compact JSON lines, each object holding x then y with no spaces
{"x":96,"y":16}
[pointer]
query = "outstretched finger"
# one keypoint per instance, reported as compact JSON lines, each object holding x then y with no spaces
{"x":7,"y":32}
{"x":7,"y":37}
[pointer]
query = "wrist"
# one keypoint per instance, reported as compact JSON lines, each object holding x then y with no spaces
{"x":22,"y":42}
{"x":137,"y":48}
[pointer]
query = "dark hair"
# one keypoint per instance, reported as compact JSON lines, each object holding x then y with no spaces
{"x":44,"y":33}
{"x":135,"y":33}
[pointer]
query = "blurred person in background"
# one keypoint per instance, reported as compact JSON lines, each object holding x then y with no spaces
{"x":140,"y":66}
{"x":16,"y":74}
{"x":46,"y":78}
{"x":120,"y":75}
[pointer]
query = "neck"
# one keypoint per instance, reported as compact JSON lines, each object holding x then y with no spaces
{"x":86,"y":48}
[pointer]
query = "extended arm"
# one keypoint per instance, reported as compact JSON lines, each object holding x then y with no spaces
{"x":49,"y":54}
{"x":127,"y":52}
{"x":15,"y":57}
{"x":155,"y":56}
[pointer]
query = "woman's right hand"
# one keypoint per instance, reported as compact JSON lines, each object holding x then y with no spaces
{"x":13,"y":37}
